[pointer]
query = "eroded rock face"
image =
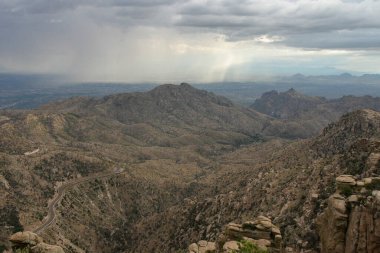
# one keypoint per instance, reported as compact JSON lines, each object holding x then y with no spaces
{"x":351,"y":221}
{"x":30,"y":242}
{"x":332,"y":225}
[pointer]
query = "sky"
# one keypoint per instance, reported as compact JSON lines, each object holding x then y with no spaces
{"x":192,"y":41}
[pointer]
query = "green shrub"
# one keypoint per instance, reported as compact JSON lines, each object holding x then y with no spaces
{"x":346,"y":190}
{"x":249,"y":247}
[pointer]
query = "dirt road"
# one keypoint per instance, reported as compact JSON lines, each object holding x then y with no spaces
{"x":49,"y":219}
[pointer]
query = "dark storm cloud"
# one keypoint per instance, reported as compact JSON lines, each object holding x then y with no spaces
{"x":310,"y":24}
{"x":54,"y":6}
{"x":24,"y":7}
{"x":147,"y":3}
{"x":300,"y":23}
{"x":42,"y":35}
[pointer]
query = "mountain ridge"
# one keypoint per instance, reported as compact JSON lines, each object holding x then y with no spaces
{"x":184,"y":178}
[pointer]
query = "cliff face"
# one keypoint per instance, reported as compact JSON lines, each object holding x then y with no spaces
{"x":351,"y":221}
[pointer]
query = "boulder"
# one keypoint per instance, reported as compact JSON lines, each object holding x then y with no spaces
{"x":26,"y":237}
{"x":346,"y":179}
{"x":353,"y":198}
{"x":30,"y":242}
{"x":230,"y":246}
{"x":260,"y":231}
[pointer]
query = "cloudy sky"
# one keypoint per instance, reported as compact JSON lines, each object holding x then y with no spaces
{"x":193,"y":40}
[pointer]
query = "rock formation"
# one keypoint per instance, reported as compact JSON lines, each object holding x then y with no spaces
{"x":260,"y":232}
{"x":351,"y":221}
{"x":30,"y":242}
{"x":202,"y":247}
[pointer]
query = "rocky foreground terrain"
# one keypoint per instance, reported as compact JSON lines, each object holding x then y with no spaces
{"x":190,"y":163}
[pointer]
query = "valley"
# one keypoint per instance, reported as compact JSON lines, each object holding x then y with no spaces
{"x":192,"y":162}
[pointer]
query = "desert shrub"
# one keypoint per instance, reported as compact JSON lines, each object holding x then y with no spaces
{"x":249,"y":247}
{"x":346,"y":190}
{"x":22,"y":250}
{"x":9,"y":216}
{"x":2,"y":248}
{"x":373,"y":186}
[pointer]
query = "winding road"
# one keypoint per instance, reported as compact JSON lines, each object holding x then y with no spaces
{"x":49,"y":219}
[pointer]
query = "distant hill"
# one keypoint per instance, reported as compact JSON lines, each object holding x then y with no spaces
{"x":286,"y":105}
{"x":307,"y":115}
{"x":173,"y":111}
{"x":21,"y":91}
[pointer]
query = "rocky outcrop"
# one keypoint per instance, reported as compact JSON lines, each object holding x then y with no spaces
{"x":333,"y":225}
{"x":260,"y":232}
{"x":202,"y":247}
{"x":32,"y":243}
{"x":351,"y":221}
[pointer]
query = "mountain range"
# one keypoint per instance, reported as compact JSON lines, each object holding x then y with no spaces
{"x":155,"y":171}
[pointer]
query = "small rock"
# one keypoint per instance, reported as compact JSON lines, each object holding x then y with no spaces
{"x":376,"y":194}
{"x":360,"y":183}
{"x":263,"y":218}
{"x":193,"y":248}
{"x":202,"y":243}
{"x":275,"y":230}
{"x":263,"y":243}
{"x":266,"y":224}
{"x":353,"y":198}
{"x":367,"y":181}
{"x":346,"y":179}
{"x":289,"y":250}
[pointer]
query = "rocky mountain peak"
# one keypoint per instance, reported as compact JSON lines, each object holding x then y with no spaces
{"x":352,"y":127}
{"x":292,"y":91}
{"x":285,"y":105}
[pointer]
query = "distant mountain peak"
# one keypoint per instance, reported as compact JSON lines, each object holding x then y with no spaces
{"x":346,"y":75}
{"x":285,"y":105}
{"x":174,"y":87}
{"x":298,"y":76}
{"x":292,"y":91}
